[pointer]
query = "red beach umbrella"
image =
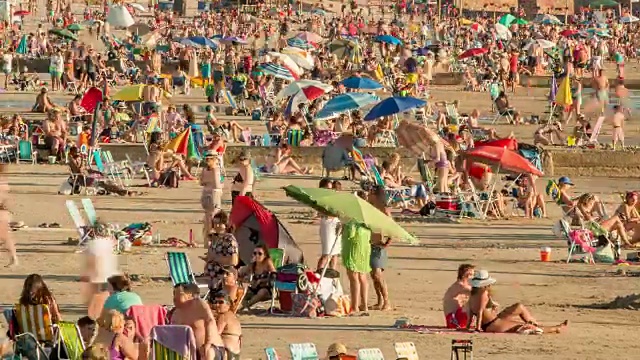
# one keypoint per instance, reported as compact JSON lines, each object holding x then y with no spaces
{"x":472,"y":52}
{"x":504,"y":158}
{"x":21,"y":13}
{"x":509,"y":143}
{"x":568,"y":32}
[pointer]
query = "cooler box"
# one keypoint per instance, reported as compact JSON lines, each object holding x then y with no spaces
{"x":447,"y":202}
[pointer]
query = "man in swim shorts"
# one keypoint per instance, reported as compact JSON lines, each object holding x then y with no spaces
{"x":456,"y":297}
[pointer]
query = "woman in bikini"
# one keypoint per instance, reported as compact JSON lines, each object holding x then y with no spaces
{"x":587,"y":205}
{"x":5,"y":217}
{"x":281,"y":162}
{"x":242,"y":184}
{"x":259,"y":272}
{"x":228,"y":325}
{"x":211,"y":182}
{"x":513,"y":319}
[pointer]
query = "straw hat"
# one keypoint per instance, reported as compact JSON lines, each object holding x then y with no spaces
{"x":481,"y":279}
{"x":336,"y":349}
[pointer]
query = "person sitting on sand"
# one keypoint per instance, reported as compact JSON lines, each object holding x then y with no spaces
{"x":627,"y":211}
{"x":513,"y":319}
{"x":456,"y":297}
{"x":545,"y":134}
{"x":473,"y":123}
{"x":36,"y":292}
{"x":43,"y":102}
{"x":529,"y":198}
{"x":228,"y":325}
{"x":259,"y":272}
{"x":194,"y":312}
{"x":280,"y":162}
{"x":231,"y":286}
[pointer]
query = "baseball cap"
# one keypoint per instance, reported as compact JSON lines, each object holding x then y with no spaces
{"x":565,"y":180}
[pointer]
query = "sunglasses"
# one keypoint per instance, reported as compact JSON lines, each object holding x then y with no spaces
{"x":218,"y":302}
{"x":258,"y":253}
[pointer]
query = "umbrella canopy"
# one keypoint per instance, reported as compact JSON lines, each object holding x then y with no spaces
{"x":300,"y":43}
{"x":203,"y":41}
{"x":569,"y":32}
{"x":138,"y":7}
{"x":504,"y":158}
{"x":63,"y":33}
{"x":75,"y":27}
{"x":547,"y":19}
{"x":418,"y":138}
{"x":349,"y":207}
{"x":234,"y":40}
{"x":503,"y":32}
{"x":628,"y":19}
{"x":120,"y":17}
{"x":598,"y":3}
{"x":22,"y":46}
{"x":363,"y":83}
{"x":129,"y":93}
{"x":183,"y":144}
{"x":507,"y":20}
{"x":388,"y":39}
{"x":21,"y":13}
{"x":296,"y":87}
{"x":278,"y":71}
{"x":287,"y":62}
{"x":187,"y":42}
{"x":140,"y":29}
{"x":543,"y":43}
{"x":521,"y":21}
{"x":341,"y":47}
{"x":394,"y":105}
{"x":305,"y":95}
{"x":345,"y":103}
{"x":301,"y":59}
{"x":472,"y":52}
{"x":310,"y":37}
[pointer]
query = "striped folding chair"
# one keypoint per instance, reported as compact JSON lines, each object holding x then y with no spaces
{"x":294,"y":137}
{"x":271,"y":353}
{"x":305,"y":351}
{"x":406,"y":350}
{"x":35,"y":319}
{"x":163,"y":333}
{"x":180,"y":270}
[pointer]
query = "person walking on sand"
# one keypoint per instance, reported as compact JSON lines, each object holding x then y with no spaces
{"x":378,"y":259}
{"x":5,"y":234}
{"x":618,"y":122}
{"x":456,"y":297}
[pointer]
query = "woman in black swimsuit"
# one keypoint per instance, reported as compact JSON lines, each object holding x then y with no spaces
{"x":260,"y":271}
{"x":242,"y":184}
{"x":513,"y":319}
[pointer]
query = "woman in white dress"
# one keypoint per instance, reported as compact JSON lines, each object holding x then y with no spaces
{"x":329,"y":239}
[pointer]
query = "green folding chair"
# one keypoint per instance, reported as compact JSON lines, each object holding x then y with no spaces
{"x":161,"y":352}
{"x":277,"y":256}
{"x":69,"y":337}
{"x":180,"y":270}
{"x":294,"y":137}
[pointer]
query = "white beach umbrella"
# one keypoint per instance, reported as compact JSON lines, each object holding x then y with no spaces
{"x":286,"y":61}
{"x":503,"y":32}
{"x":297,"y":86}
{"x":120,"y":17}
{"x":138,"y":7}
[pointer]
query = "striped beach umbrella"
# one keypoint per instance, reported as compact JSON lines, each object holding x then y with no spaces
{"x":300,"y":43}
{"x":344,"y":103}
{"x":278,"y":71}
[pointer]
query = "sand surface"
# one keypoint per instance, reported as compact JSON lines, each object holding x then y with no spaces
{"x":417,"y":275}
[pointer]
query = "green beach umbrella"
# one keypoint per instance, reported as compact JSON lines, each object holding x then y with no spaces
{"x":349,"y":207}
{"x":64,"y":33}
{"x":507,"y":19}
{"x":598,"y":3}
{"x":521,"y":21}
{"x":75,"y":27}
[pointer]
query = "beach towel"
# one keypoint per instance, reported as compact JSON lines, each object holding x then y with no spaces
{"x":177,"y":338}
{"x":146,"y":317}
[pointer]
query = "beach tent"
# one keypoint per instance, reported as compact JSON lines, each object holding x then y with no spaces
{"x":255,"y":225}
{"x":183,"y":144}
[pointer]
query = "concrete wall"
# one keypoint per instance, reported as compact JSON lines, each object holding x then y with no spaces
{"x":558,"y":162}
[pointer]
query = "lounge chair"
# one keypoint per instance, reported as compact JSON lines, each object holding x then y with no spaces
{"x":406,"y":350}
{"x":393,"y":194}
{"x":294,"y":137}
{"x":304,"y":351}
{"x":180,"y":270}
{"x":580,"y":242}
{"x":84,"y":230}
{"x":271,"y":353}
{"x":70,"y":344}
{"x":370,"y":354}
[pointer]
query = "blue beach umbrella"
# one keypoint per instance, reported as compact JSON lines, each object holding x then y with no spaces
{"x":187,"y":42}
{"x":300,"y":43}
{"x":203,"y":41}
{"x":394,"y":105}
{"x":389,"y":39}
{"x":319,"y":12}
{"x":363,"y":83}
{"x":344,"y":103}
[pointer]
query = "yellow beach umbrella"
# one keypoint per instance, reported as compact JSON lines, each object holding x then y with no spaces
{"x":464,"y":21}
{"x":129,"y":93}
{"x":563,"y":97}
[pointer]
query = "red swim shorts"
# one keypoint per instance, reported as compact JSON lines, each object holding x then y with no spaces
{"x":457,"y":319}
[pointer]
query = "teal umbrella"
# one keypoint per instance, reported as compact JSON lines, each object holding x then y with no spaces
{"x":75,"y":27}
{"x":507,"y":19}
{"x":22,"y":46}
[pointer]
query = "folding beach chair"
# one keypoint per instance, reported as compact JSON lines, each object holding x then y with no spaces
{"x":83,"y":229}
{"x":70,"y":345}
{"x":406,"y":350}
{"x":277,"y":257}
{"x":271,"y":353}
{"x":139,"y":167}
{"x":399,"y":194}
{"x":146,"y":317}
{"x":335,"y":158}
{"x":26,"y":153}
{"x":304,"y":351}
{"x":90,"y":210}
{"x":370,"y":354}
{"x":169,"y":333}
{"x":180,"y":270}
{"x":35,"y":320}
{"x":581,"y":243}
{"x":294,"y":137}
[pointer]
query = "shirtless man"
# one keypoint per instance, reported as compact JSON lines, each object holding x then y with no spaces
{"x":55,"y":132}
{"x":456,"y":297}
{"x":150,"y":96}
{"x":600,"y":84}
{"x":618,"y":122}
{"x":76,"y":110}
{"x":43,"y":103}
{"x":194,"y":312}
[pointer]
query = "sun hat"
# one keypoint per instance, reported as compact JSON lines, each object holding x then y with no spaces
{"x":481,"y":278}
{"x":336,"y":349}
{"x":565,"y":180}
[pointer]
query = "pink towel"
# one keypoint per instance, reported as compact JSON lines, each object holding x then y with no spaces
{"x":146,"y":317}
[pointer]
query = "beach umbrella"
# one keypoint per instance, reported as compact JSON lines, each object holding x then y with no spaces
{"x":184,"y":144}
{"x":507,"y":20}
{"x":349,"y":208}
{"x":138,"y":7}
{"x":568,"y":32}
{"x":503,"y":32}
{"x":563,"y":97}
{"x":63,"y":33}
{"x":547,"y":19}
{"x":362,"y":83}
{"x":234,"y":40}
{"x":476,"y":27}
{"x":297,"y":86}
{"x":546,"y":44}
{"x":299,"y":43}
{"x":310,"y":37}
{"x":521,"y":21}
{"x":278,"y":71}
{"x":304,"y":96}
{"x":505,"y":159}
{"x":287,"y":62}
{"x":203,"y":41}
{"x":305,"y":62}
{"x":319,"y":12}
{"x":598,"y":3}
{"x":465,"y":21}
{"x":341,"y":47}
{"x":345,"y":103}
{"x":388,"y":39}
{"x":22,"y":46}
{"x":628,"y":19}
{"x":509,"y":143}
{"x":75,"y":27}
{"x":394,"y":105}
{"x":120,"y":17}
{"x":129,"y":93}
{"x":189,"y":43}
{"x":140,"y":29}
{"x":21,"y":13}
{"x":472,"y":52}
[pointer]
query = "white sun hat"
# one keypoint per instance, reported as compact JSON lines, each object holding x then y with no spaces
{"x":481,"y":279}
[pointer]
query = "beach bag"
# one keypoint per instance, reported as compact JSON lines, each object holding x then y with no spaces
{"x":337,"y":305}
{"x":305,"y":305}
{"x":604,"y":254}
